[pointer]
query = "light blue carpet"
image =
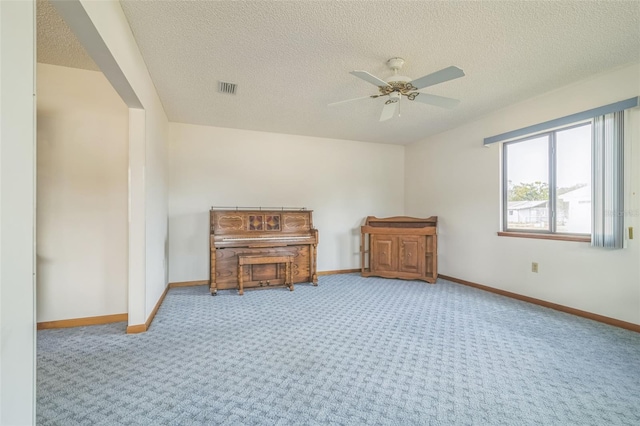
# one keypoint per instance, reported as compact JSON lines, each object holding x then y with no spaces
{"x":352,"y":351}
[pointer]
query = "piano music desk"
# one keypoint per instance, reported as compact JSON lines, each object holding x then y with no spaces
{"x":265,"y":259}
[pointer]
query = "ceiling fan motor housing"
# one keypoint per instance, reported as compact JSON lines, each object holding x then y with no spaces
{"x":398,"y":79}
{"x":397,"y":83}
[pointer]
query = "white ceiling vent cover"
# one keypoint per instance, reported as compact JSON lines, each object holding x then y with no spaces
{"x":229,"y":88}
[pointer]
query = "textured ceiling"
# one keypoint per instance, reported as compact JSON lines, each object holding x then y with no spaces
{"x":56,"y":43}
{"x":292,"y":58}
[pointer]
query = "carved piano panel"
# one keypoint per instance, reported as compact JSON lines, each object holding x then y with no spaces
{"x":261,"y":232}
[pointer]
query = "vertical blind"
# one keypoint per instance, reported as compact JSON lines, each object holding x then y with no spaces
{"x":607,"y":225}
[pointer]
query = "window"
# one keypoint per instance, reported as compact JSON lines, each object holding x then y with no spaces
{"x":580,"y":204}
{"x":547,"y":182}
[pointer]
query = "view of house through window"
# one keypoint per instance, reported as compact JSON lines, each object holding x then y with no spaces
{"x":547,"y":182}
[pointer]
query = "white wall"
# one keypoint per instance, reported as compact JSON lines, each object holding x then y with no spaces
{"x":81,"y":195}
{"x":17,"y":213}
{"x":341,"y":181}
{"x":453,"y":176}
{"x":156,"y":199}
{"x":129,"y":73}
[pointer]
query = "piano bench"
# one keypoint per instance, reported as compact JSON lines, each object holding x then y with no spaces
{"x":266,"y":259}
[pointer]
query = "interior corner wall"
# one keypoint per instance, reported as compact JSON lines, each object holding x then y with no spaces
{"x":453,"y":176}
{"x":114,"y":31}
{"x":81,"y":195}
{"x":341,"y":181}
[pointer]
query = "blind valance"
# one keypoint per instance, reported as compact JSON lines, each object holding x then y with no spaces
{"x":563,"y":121}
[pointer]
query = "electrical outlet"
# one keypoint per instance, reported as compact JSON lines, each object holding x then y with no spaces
{"x":534,"y":267}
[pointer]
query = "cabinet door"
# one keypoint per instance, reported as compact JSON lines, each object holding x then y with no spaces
{"x":412,"y":254}
{"x":384,"y":250}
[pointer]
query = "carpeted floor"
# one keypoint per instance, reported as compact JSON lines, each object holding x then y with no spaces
{"x":352,"y":351}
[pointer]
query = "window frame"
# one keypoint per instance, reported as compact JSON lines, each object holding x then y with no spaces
{"x":551,"y":232}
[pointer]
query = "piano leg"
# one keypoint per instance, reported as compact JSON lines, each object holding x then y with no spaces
{"x":213,"y":287}
{"x":288,"y":274}
{"x":312,"y":265}
{"x":240,"y":282}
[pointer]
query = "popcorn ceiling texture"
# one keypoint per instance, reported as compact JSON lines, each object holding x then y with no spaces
{"x":57,"y":44}
{"x":291,"y":59}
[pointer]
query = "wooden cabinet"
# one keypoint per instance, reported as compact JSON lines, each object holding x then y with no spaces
{"x":400,"y":247}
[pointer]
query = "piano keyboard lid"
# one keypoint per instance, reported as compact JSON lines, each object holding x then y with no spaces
{"x":306,"y":237}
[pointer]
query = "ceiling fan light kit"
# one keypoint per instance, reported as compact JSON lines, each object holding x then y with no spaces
{"x":397,"y":86}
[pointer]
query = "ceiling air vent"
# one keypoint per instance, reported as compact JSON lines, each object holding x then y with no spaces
{"x":229,"y":88}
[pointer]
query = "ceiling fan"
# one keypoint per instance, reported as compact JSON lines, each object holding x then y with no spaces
{"x":397,"y":86}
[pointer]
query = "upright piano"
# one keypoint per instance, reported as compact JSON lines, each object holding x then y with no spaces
{"x":236,"y":233}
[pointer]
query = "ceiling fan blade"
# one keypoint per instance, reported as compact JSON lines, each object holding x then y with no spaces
{"x":351,"y":100}
{"x":388,"y":110}
{"x":370,"y":78}
{"x":440,"y":101}
{"x":438,"y":77}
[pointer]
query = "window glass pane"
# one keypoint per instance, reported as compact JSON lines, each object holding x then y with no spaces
{"x":573,"y":180}
{"x":528,"y":184}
